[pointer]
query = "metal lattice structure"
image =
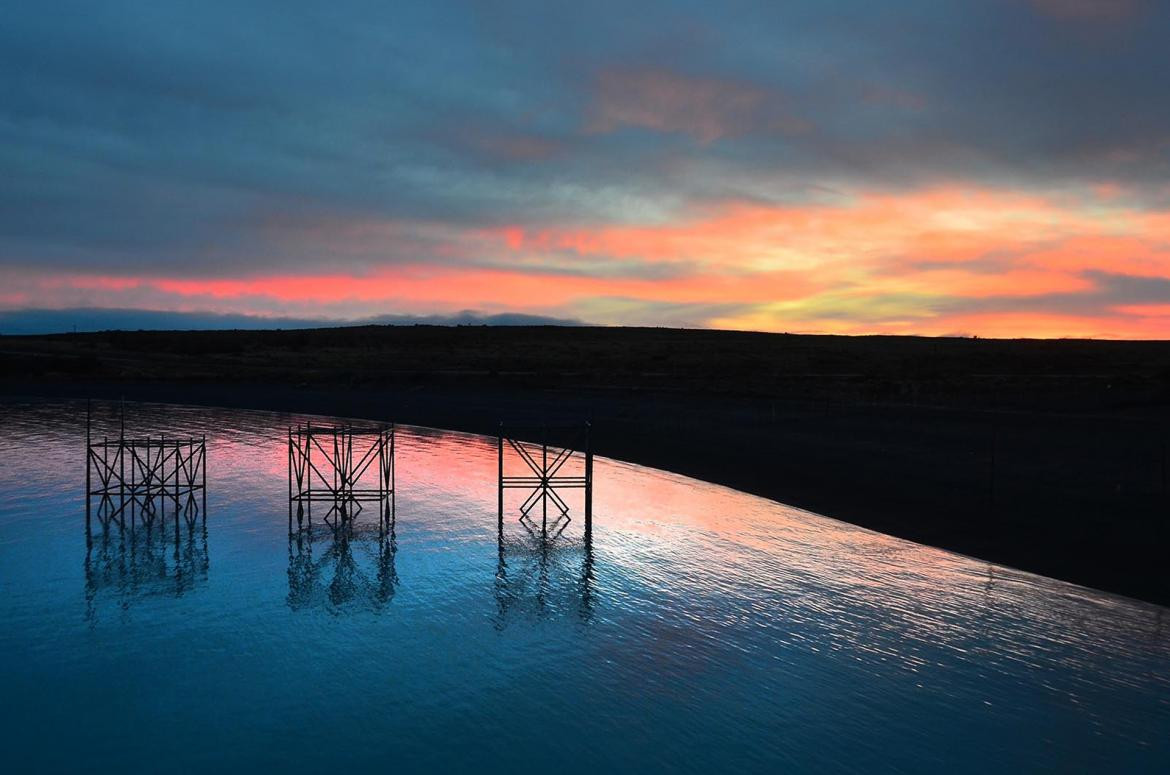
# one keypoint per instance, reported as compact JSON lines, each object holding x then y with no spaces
{"x":543,"y":477}
{"x":136,"y":478}
{"x":342,"y":466}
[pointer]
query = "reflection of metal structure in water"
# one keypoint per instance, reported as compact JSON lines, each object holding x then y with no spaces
{"x":138,"y":477}
{"x":544,"y":463}
{"x":147,"y":562}
{"x":323,"y":467}
{"x":357,"y":565}
{"x":532,"y":580}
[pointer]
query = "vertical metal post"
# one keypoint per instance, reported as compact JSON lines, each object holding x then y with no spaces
{"x":88,"y":466}
{"x":383,"y":482}
{"x":343,"y":474}
{"x":544,"y":482}
{"x":347,"y":474}
{"x":106,"y":472}
{"x":203,"y":470}
{"x":122,"y":469}
{"x":133,"y":486}
{"x":390,"y":473}
{"x":178,"y":446}
{"x":393,"y":464}
{"x":122,"y":456}
{"x":500,"y":481}
{"x":290,"y":480}
{"x":588,"y":484}
{"x":159,"y":472}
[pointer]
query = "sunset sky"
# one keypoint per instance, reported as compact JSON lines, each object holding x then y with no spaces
{"x":986,"y":167}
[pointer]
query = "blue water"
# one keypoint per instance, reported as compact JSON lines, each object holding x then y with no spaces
{"x":706,"y":630}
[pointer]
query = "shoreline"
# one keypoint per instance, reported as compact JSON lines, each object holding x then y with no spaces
{"x":5,"y":398}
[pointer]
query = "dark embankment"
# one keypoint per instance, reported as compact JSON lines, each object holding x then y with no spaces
{"x":1045,"y":455}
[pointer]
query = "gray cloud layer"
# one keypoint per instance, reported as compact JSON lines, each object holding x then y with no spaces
{"x":164,"y":136}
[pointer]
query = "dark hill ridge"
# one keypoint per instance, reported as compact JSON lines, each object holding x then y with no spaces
{"x":1041,"y":374}
{"x":1046,"y":455}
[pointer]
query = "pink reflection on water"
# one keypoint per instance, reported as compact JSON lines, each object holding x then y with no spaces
{"x":714,"y":559}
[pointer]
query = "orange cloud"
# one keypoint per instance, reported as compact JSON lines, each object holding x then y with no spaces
{"x":1143,"y":255}
{"x":1146,"y":310}
{"x":883,"y":233}
{"x":978,"y":285}
{"x":944,"y":260}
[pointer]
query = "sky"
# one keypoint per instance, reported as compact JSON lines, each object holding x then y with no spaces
{"x":938,"y":167}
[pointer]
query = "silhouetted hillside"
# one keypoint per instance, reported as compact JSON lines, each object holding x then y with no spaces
{"x":1036,"y":374}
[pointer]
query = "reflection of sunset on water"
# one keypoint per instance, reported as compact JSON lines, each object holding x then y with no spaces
{"x":694,"y":608}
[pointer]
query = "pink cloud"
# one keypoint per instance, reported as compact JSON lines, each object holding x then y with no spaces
{"x":929,"y":261}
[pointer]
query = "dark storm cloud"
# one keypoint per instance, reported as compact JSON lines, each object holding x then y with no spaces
{"x":156,"y":137}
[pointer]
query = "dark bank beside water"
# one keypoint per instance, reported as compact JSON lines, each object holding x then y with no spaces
{"x":1049,"y":456}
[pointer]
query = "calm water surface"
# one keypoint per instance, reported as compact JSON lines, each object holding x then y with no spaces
{"x":707,"y":630}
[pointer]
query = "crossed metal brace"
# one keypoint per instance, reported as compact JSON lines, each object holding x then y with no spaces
{"x":543,"y":478}
{"x":323,"y":467}
{"x":138,"y":477}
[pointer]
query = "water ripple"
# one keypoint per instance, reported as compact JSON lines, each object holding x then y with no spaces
{"x":702,"y":629}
